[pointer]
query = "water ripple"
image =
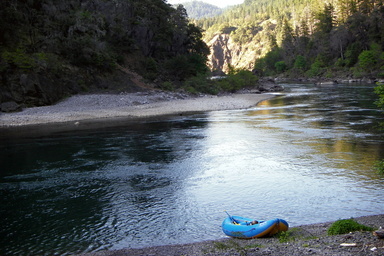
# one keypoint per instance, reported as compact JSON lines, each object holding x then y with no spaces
{"x":305,"y":156}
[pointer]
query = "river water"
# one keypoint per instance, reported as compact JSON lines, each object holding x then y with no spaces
{"x":305,"y":156}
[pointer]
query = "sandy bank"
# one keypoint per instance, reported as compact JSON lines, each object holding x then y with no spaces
{"x":80,"y":110}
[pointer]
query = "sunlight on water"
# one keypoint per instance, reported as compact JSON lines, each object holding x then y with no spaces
{"x":305,"y":156}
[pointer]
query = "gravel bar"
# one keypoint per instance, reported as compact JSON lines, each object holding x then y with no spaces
{"x":300,"y":240}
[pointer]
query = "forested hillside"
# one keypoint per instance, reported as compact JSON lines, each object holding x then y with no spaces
{"x":310,"y":38}
{"x":53,"y":48}
{"x":199,"y":10}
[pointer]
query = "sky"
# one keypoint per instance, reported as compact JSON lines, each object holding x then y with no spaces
{"x":219,"y":3}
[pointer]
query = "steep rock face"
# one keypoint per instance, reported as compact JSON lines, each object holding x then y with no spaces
{"x":226,"y":51}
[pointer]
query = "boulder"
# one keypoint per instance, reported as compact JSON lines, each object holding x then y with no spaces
{"x":10,"y":106}
{"x":270,"y":86}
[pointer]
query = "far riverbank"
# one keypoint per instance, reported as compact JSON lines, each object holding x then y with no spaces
{"x":100,"y":110}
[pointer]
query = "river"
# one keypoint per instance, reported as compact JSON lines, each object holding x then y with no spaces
{"x":305,"y":156}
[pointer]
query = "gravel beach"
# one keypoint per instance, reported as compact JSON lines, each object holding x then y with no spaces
{"x":301,"y":240}
{"x":80,"y":110}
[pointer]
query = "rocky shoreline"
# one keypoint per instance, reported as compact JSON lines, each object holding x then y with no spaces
{"x":301,"y":240}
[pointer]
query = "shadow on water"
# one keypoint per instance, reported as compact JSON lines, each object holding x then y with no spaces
{"x":305,"y":156}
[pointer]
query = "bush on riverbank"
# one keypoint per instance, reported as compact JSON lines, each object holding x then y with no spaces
{"x":345,"y":226}
{"x":379,"y":167}
{"x":234,"y":81}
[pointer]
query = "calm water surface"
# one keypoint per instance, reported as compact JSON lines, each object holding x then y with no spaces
{"x":305,"y":156}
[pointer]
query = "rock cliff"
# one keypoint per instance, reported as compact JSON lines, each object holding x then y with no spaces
{"x":227,"y":51}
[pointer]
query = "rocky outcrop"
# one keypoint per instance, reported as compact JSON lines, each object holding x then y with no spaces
{"x":226,"y":51}
{"x":31,"y":89}
{"x":269,"y":85}
{"x":22,"y":90}
{"x":10,"y":106}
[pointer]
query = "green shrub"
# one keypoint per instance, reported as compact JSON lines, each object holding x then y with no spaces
{"x":19,"y":58}
{"x":379,"y":90}
{"x":285,"y":236}
{"x":105,"y":60}
{"x":367,"y":60}
{"x":182,"y":67}
{"x":168,"y":86}
{"x":200,"y":83}
{"x":280,"y":66}
{"x":316,"y":68}
{"x":266,"y":64}
{"x":345,"y":226}
{"x":151,"y":71}
{"x":379,"y":167}
{"x":247,"y":77}
{"x":381,"y":72}
{"x":190,"y":90}
{"x":300,"y":63}
{"x":352,"y":54}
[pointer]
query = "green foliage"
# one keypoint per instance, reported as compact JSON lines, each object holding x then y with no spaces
{"x":280,"y":66}
{"x":226,"y":29}
{"x":317,"y":68}
{"x":200,"y":83}
{"x":104,"y":60}
{"x":294,"y":234}
{"x":150,"y":68}
{"x":245,"y":34}
{"x":247,"y":77}
{"x":339,"y":31}
{"x":237,"y":80}
{"x":379,"y":167}
{"x":168,"y":86}
{"x":285,"y":236}
{"x":345,"y":226}
{"x":372,"y":59}
{"x":300,"y":63}
{"x":352,"y":54}
{"x":266,"y":65}
{"x":379,"y":90}
{"x":381,"y":72}
{"x":95,"y":35}
{"x":367,"y":60}
{"x":185,"y":66}
{"x":19,"y":58}
{"x":325,"y":18}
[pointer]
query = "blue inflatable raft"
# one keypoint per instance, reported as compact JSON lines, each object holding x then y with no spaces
{"x":241,"y":227}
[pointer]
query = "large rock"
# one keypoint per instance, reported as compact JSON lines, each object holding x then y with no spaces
{"x":40,"y":89}
{"x":10,"y":106}
{"x":32,"y":89}
{"x":270,"y":86}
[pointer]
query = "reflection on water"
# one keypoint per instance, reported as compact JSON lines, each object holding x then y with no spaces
{"x":305,"y":156}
